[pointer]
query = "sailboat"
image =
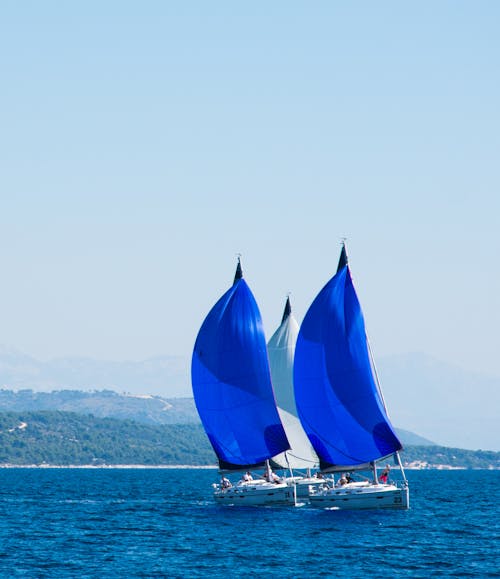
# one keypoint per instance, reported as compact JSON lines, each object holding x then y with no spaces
{"x":235,"y":400}
{"x":340,"y":403}
{"x":300,"y":459}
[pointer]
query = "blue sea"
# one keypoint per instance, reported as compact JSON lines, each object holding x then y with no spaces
{"x":163,"y":523}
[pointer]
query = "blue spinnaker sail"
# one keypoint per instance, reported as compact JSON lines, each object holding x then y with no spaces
{"x":232,"y":383}
{"x":336,"y":392}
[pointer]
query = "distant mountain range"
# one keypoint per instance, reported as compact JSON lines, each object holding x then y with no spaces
{"x":441,"y":402}
{"x":163,"y":375}
{"x":449,"y":405}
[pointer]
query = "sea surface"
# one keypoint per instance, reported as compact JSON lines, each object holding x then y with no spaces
{"x":163,"y":523}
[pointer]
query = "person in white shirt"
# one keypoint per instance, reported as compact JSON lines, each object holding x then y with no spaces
{"x":247,"y":476}
{"x":225,"y":483}
{"x":271,"y":476}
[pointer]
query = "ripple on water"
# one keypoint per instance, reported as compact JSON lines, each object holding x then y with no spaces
{"x":144,"y":523}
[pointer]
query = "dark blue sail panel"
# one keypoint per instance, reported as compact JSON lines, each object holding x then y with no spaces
{"x":232,"y":383}
{"x":336,"y":394}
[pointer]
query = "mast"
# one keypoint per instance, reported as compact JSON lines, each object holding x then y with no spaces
{"x":239,"y":272}
{"x":288,"y":309}
{"x":281,"y":349}
{"x":286,"y":313}
{"x":343,"y":260}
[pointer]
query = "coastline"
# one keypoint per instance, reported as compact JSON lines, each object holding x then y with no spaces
{"x":112,"y":466}
{"x":195,"y":467}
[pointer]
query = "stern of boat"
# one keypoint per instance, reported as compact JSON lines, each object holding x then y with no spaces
{"x":362,"y":496}
{"x":255,"y":493}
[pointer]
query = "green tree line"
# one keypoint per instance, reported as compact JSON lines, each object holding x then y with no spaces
{"x":65,"y":438}
{"x":68,"y":438}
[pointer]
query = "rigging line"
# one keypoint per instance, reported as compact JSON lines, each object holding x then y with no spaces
{"x":300,"y":458}
{"x":377,"y":381}
{"x":336,"y":448}
{"x":375,"y":373}
{"x":401,"y":467}
{"x":294,"y":485}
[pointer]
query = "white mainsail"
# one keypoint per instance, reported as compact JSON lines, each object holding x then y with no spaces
{"x":281,"y":349}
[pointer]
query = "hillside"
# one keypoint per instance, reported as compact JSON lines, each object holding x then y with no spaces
{"x":423,"y":394}
{"x":108,"y":404}
{"x":147,"y":409}
{"x":67,"y":438}
{"x":445,"y":457}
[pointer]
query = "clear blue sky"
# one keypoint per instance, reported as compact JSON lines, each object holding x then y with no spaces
{"x":144,"y":144}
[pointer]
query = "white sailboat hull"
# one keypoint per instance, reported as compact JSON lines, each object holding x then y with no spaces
{"x":256,"y":493}
{"x":361,"y":496}
{"x":304,"y":485}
